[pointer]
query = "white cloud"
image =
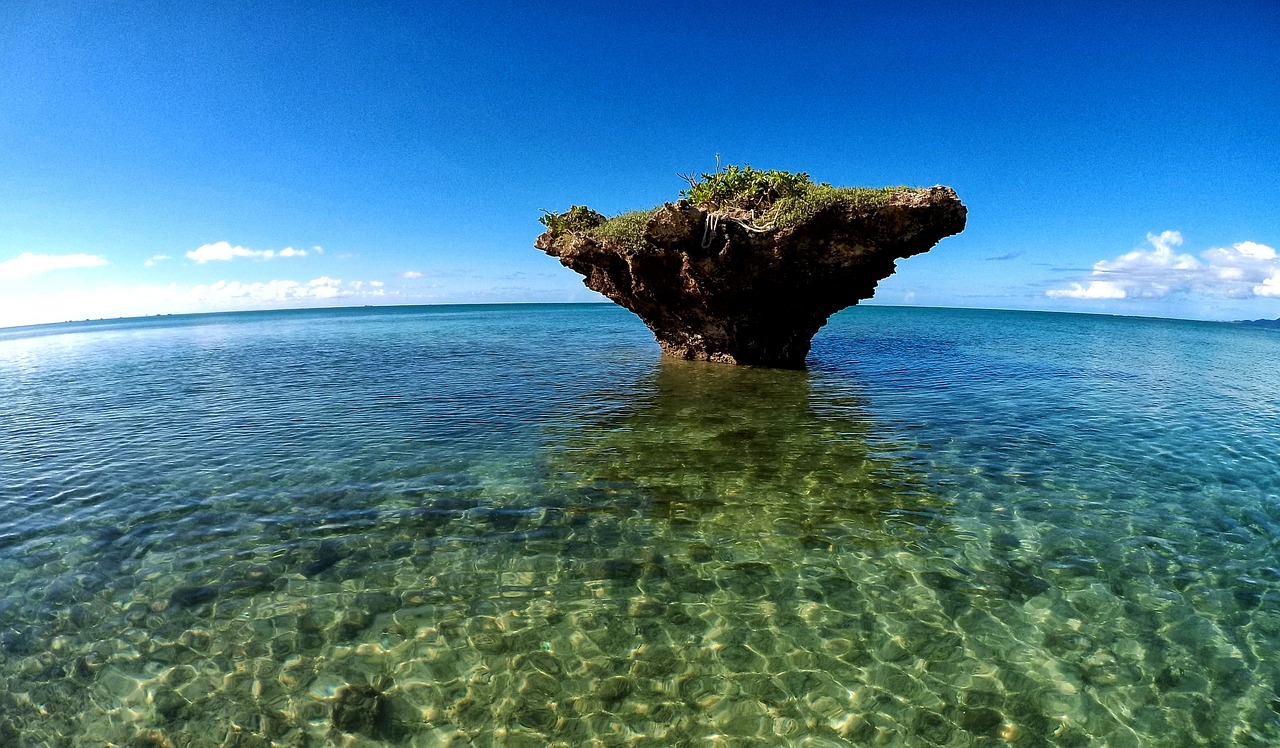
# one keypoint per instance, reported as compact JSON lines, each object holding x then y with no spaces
{"x":137,"y":301}
{"x":1269,"y":286}
{"x":1165,"y":241}
{"x":1095,"y":290}
{"x":411,"y":274}
{"x":223,"y":251}
{"x":220,"y":251}
{"x":1252,"y":250}
{"x":1240,"y":271}
{"x":323,"y":287}
{"x":29,"y":264}
{"x":156,"y":258}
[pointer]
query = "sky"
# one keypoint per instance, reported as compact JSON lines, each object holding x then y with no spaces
{"x":162,"y":157}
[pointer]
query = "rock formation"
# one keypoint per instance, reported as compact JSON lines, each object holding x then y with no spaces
{"x":720,"y":286}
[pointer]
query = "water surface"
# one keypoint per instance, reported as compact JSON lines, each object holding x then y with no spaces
{"x":519,"y":526}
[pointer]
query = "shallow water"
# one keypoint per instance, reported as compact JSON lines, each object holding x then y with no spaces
{"x":519,"y":526}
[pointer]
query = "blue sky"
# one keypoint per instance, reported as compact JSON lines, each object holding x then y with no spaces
{"x":177,"y":157}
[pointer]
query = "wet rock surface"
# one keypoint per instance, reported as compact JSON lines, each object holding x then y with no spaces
{"x":719,"y":288}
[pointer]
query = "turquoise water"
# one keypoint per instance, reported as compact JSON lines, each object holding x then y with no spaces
{"x":518,"y":525}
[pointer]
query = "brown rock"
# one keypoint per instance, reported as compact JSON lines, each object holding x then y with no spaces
{"x":713,"y":287}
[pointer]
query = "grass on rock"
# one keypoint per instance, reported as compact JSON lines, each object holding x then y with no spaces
{"x":765,"y":198}
{"x":626,"y":229}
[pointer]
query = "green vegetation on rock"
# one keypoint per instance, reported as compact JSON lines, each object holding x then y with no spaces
{"x":775,"y":199}
{"x":744,"y":188}
{"x":576,"y":218}
{"x":626,"y":229}
{"x":765,"y":199}
{"x":815,"y":198}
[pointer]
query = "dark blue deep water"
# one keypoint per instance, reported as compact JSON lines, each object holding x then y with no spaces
{"x":518,"y":525}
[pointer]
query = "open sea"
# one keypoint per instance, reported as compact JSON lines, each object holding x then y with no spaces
{"x":519,"y":526}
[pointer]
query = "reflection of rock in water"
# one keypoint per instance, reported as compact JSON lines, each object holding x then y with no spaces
{"x":740,"y":449}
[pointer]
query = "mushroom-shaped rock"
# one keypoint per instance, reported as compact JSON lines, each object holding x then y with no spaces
{"x":723,"y":285}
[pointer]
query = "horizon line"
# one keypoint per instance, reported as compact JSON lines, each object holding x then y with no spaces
{"x":162,"y":315}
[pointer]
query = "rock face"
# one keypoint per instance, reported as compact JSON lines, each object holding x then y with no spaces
{"x":717,"y":288}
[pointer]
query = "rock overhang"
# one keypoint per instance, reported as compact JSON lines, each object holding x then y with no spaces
{"x":727,"y":286}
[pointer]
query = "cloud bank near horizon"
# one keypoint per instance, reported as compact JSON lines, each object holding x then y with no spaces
{"x":223,"y":295}
{"x":29,"y":264}
{"x":1243,"y":270}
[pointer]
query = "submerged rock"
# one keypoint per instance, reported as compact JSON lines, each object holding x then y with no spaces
{"x":367,"y":711}
{"x":746,"y":287}
{"x":190,"y":597}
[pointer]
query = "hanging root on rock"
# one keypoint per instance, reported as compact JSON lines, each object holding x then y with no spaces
{"x":714,"y":218}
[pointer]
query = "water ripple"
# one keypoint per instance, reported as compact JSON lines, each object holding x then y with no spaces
{"x":516,"y":524}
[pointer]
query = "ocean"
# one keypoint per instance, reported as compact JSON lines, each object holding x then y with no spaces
{"x":519,"y":525}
